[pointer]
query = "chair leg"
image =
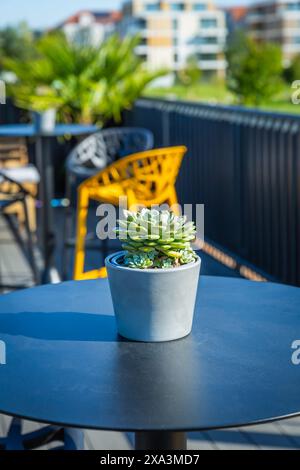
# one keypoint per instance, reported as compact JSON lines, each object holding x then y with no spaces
{"x":13,"y":441}
{"x":18,"y":209}
{"x":81,"y":231}
{"x":30,"y":243}
{"x":31,"y":213}
{"x":73,"y":439}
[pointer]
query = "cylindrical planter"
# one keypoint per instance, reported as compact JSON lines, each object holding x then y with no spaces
{"x":45,"y":122}
{"x":153,"y":304}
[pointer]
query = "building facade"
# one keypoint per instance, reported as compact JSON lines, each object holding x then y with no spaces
{"x":90,"y":26}
{"x":173,"y":30}
{"x":276,"y":21}
{"x":235,"y":19}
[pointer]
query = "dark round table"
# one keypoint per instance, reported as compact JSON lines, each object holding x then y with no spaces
{"x":66,"y":364}
{"x":44,"y":161}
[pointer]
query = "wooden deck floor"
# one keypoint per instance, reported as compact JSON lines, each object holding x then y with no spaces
{"x":280,"y":435}
{"x":14,"y":269}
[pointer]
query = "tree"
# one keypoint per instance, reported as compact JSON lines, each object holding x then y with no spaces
{"x":292,"y":72}
{"x":254,"y":70}
{"x":190,"y":75}
{"x":84,"y":83}
{"x":16,"y":43}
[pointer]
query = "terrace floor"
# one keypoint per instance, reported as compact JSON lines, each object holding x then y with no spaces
{"x":281,"y":435}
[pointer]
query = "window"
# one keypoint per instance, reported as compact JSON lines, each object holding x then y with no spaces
{"x":83,"y":36}
{"x":293,"y":6}
{"x":199,"y":7}
{"x":296,"y":40}
{"x":143,"y":41}
{"x":152,"y":6}
{"x":141,"y":23}
{"x":175,"y":58}
{"x":175,"y":24}
{"x":208,"y":23}
{"x":175,"y":42}
{"x":177,"y":6}
{"x":199,"y":40}
{"x":208,"y":40}
{"x":207,"y":56}
{"x":136,"y":25}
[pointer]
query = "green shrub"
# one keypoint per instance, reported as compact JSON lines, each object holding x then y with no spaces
{"x":190,"y":75}
{"x":292,"y":72}
{"x":254,"y":70}
{"x":16,"y":43}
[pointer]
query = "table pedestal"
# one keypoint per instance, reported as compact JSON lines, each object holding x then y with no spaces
{"x":160,"y":440}
{"x":45,"y":166}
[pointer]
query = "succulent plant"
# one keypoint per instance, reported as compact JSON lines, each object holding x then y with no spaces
{"x":156,"y":239}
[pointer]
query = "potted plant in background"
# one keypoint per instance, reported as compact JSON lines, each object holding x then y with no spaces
{"x":44,"y":121}
{"x":154,"y":281}
{"x":85,"y":84}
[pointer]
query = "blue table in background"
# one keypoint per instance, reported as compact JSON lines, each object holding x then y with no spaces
{"x":44,"y":162}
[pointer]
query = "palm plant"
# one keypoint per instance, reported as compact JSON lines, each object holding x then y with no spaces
{"x":84,"y":83}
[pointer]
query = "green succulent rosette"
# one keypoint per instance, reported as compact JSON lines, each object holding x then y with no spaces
{"x":156,"y":239}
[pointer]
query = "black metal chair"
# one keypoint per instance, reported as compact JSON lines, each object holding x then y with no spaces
{"x":89,"y":157}
{"x":13,"y":192}
{"x":104,"y":147}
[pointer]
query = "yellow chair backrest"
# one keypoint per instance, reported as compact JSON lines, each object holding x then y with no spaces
{"x":146,"y":178}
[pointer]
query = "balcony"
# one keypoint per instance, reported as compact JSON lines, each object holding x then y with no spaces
{"x":212,"y":64}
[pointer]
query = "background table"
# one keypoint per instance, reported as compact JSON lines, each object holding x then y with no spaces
{"x":44,"y":161}
{"x":66,"y":364}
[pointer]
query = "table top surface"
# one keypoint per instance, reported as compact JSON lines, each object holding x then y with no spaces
{"x":65,"y":363}
{"x":29,"y":130}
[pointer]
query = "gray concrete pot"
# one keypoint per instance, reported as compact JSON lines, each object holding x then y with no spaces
{"x":153,"y":304}
{"x":45,"y":122}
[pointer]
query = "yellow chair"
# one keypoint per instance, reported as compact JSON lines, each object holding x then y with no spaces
{"x":146,"y":179}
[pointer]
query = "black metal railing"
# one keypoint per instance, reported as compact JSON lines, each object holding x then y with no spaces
{"x":244,"y":165}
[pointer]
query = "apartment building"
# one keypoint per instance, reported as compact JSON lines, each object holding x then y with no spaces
{"x":276,"y":21}
{"x":91,"y":26}
{"x":235,"y":18}
{"x":173,"y":30}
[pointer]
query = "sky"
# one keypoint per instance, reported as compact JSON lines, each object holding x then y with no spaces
{"x":41,"y":14}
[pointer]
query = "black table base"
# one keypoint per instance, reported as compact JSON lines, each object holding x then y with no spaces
{"x":160,"y":440}
{"x":65,"y":438}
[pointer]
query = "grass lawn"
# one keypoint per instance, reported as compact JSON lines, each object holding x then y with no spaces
{"x":217,"y":93}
